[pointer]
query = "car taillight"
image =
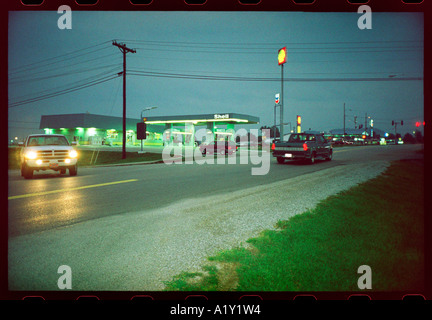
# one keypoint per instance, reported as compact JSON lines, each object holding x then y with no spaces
{"x":305,"y":147}
{"x":273,"y":146}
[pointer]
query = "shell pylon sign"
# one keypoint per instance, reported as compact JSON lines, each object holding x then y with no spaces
{"x":282,"y":56}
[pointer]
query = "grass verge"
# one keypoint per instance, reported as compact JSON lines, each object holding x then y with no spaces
{"x":87,"y":157}
{"x":379,"y":223}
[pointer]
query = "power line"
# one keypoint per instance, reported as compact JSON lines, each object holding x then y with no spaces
{"x":63,"y":74}
{"x":386,"y":73}
{"x":290,"y":50}
{"x":62,"y":92}
{"x":327,"y":61}
{"x":115,"y":98}
{"x":61,"y":68}
{"x":227,"y":78}
{"x":68,"y":85}
{"x":214,"y":48}
{"x":288,"y":47}
{"x":52,"y":59}
{"x":273,"y":44}
{"x":40,"y":69}
{"x":58,"y":68}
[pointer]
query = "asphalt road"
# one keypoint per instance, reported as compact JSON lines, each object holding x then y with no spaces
{"x":108,"y":204}
{"x":106,"y":191}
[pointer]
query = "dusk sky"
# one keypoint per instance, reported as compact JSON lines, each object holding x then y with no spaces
{"x":218,"y":62}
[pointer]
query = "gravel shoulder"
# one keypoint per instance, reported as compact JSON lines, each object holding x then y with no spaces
{"x":138,"y":251}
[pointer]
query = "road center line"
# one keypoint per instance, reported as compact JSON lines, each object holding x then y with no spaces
{"x":69,"y":189}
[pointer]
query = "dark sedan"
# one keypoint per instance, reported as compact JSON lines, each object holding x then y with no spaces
{"x":221,"y":147}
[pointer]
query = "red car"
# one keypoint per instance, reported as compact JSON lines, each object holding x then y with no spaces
{"x":221,"y":147}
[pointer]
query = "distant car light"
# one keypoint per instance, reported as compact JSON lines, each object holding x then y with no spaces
{"x":305,"y":147}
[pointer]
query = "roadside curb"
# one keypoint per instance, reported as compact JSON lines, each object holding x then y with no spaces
{"x":123,"y":164}
{"x":147,"y":162}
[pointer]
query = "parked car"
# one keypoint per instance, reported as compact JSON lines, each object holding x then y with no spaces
{"x":337,"y":141}
{"x":47,"y":152}
{"x":221,"y":147}
{"x":348,"y":141}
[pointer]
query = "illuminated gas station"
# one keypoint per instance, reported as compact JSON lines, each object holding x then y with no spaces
{"x":186,"y":130}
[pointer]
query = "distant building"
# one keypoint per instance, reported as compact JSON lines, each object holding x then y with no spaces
{"x":356,"y":133}
{"x":87,"y":128}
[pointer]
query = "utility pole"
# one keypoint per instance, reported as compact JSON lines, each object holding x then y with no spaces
{"x":344,"y":121}
{"x":282,"y":58}
{"x":122,"y":47}
{"x":395,"y":126}
{"x":274,"y":127}
{"x":365,"y":121}
{"x":355,"y":122}
{"x":281,"y":130}
{"x":394,"y":123}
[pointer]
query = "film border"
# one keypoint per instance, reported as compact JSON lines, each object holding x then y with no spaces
{"x":212,"y":5}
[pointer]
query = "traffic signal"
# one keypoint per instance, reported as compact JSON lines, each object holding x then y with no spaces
{"x":282,"y":56}
{"x":392,"y":123}
{"x":418,"y":124}
{"x":298,"y":120}
{"x":141,"y":130}
{"x":401,"y":122}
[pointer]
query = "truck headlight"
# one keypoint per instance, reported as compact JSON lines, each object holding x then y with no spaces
{"x":31,"y":155}
{"x":73,"y":154}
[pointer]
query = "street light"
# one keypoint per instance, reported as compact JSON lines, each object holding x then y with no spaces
{"x":146,"y":109}
{"x":285,"y":124}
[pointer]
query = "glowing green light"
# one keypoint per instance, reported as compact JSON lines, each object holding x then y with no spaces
{"x":91,"y":131}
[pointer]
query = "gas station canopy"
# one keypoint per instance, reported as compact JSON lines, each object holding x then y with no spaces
{"x":204,"y":119}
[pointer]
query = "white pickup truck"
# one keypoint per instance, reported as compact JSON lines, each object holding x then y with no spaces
{"x":47,"y":152}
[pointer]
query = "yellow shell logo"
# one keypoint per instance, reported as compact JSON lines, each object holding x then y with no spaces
{"x":282,"y":56}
